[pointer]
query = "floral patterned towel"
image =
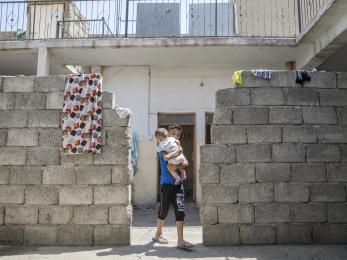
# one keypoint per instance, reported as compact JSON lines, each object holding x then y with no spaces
{"x":82,"y":114}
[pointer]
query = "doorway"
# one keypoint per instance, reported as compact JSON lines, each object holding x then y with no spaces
{"x":187,"y":122}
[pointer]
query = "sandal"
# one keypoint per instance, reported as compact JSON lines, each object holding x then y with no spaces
{"x":160,"y":240}
{"x":185,"y":246}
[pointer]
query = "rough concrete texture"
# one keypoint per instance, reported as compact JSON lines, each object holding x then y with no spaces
{"x":275,"y":172}
{"x":51,"y":198}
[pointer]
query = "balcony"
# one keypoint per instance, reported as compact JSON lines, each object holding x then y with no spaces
{"x":91,"y":19}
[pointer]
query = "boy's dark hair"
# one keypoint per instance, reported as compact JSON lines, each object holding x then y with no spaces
{"x":175,"y":126}
{"x":162,"y":132}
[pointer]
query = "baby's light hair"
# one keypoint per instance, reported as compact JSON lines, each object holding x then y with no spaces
{"x":161,"y":132}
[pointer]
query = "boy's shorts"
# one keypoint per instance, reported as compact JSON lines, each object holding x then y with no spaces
{"x":171,"y":194}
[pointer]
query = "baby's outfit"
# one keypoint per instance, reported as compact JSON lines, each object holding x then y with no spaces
{"x":169,"y":145}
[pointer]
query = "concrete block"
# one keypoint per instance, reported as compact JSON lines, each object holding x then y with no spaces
{"x":76,"y":195}
{"x":253,"y":193}
{"x":118,"y":136}
{"x":208,"y":215}
{"x":221,"y":235}
{"x":267,"y":97}
{"x":341,"y":79}
{"x":121,"y":174}
{"x":337,"y":172}
{"x":108,"y":99}
{"x":285,"y":115}
{"x":330,"y":234}
{"x":50,"y":83}
{"x":111,"y":118}
{"x":111,"y":194}
{"x":228,"y":135}
{"x":342,"y":115}
{"x":250,"y":115}
{"x":3,"y":137}
{"x":55,"y":215}
{"x":253,"y":153}
{"x":112,"y":155}
{"x":6,"y":101}
{"x":311,"y":212}
{"x":328,"y":192}
{"x":272,"y":213}
{"x":236,"y":214}
{"x":299,"y":134}
{"x":18,"y":84}
{"x":233,"y":97}
{"x":2,"y":215}
{"x":50,"y":137}
{"x":343,"y":152}
{"x":120,"y":215}
{"x":40,"y":235}
{"x":115,"y":235}
{"x":25,"y":175}
{"x":44,"y":118}
{"x":292,"y":192}
{"x":224,"y":116}
{"x":272,"y":172}
{"x":59,"y":175}
{"x":217,"y":193}
{"x":90,"y":215}
{"x":294,"y":234}
{"x":301,"y":97}
{"x":21,"y":215}
{"x":22,"y":137}
{"x":257,"y":235}
{"x":283,"y":79}
{"x":263,"y":134}
{"x":76,"y":159}
{"x":12,"y":156}
{"x":30,"y":101}
{"x":43,"y":156}
{"x":333,"y":97}
{"x":12,"y":118}
{"x":288,"y":152}
{"x":321,"y":80}
{"x":237,"y":173}
{"x":337,"y":213}
{"x":41,"y":195}
{"x":75,"y":235}
{"x":11,"y":194}
{"x":213,"y":153}
{"x":11,"y":234}
{"x":332,"y":134}
{"x":323,"y":153}
{"x":93,"y":174}
{"x":209,"y":173}
{"x":4,"y":175}
{"x":319,"y":115}
{"x":312,"y":172}
{"x":54,"y":100}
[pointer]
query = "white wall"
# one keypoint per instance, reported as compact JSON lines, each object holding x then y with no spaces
{"x":148,"y":91}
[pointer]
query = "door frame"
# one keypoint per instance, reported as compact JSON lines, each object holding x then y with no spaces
{"x":194,"y":150}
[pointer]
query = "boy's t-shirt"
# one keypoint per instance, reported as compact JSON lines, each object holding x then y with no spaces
{"x":165,"y":175}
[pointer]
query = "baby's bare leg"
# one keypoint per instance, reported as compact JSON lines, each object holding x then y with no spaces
{"x":171,"y":169}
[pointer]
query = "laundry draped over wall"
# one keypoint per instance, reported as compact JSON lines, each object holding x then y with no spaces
{"x":82,"y":114}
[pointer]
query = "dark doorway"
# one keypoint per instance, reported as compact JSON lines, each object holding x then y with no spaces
{"x":187,"y":122}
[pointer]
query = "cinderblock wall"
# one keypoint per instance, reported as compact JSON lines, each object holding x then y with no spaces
{"x":50,"y":198}
{"x":276,"y":171}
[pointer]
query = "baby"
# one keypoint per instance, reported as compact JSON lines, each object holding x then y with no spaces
{"x":169,"y":145}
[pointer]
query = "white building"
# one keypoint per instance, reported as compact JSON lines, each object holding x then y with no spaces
{"x":172,"y":78}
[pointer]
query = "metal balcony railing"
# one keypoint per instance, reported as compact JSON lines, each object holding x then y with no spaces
{"x":51,"y":19}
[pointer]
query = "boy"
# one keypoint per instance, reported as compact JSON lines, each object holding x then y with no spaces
{"x":170,"y":145}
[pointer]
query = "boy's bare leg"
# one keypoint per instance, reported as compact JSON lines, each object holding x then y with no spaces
{"x":179,"y":226}
{"x":160,"y":224}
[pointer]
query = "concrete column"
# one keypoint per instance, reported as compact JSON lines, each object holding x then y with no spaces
{"x":200,"y":140}
{"x":42,"y":62}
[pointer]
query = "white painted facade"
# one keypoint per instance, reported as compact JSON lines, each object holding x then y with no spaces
{"x":149,"y":90}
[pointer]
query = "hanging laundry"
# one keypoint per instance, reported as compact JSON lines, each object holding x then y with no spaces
{"x":302,"y":76}
{"x":265,"y":74}
{"x":237,"y":78}
{"x":123,"y":112}
{"x":134,"y":151}
{"x":82,"y":114}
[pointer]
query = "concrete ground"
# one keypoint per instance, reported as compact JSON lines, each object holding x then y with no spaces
{"x":142,"y":247}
